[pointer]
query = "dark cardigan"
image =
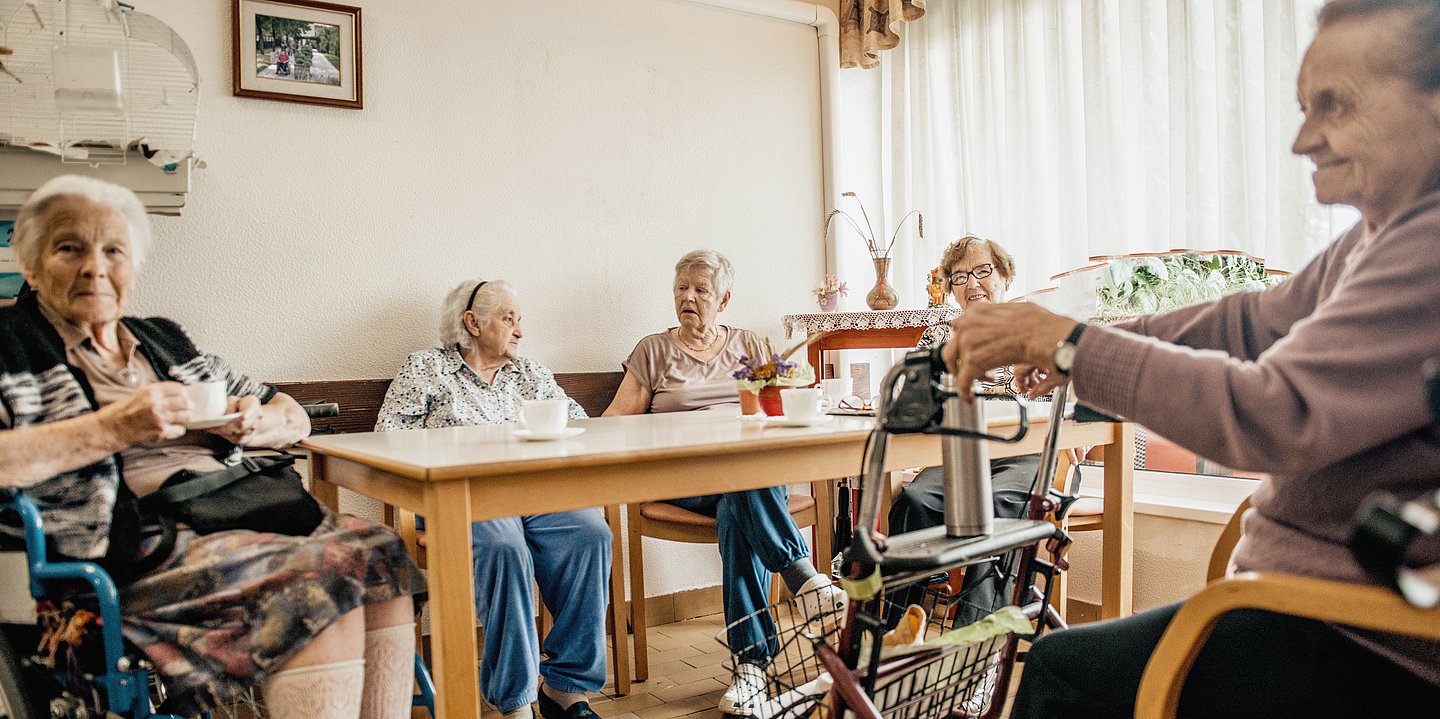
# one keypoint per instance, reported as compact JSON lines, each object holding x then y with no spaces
{"x":37,"y":385}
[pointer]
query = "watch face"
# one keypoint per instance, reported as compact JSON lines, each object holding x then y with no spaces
{"x":1064,"y":356}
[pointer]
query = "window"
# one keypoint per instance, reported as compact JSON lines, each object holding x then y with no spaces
{"x":1066,"y":130}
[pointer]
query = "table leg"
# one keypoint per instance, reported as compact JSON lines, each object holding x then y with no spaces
{"x":1118,"y":539}
{"x":452,"y":600}
{"x":824,"y":493}
{"x":324,"y":492}
{"x":620,"y":651}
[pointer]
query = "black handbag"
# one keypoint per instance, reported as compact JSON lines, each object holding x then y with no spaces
{"x":261,"y":495}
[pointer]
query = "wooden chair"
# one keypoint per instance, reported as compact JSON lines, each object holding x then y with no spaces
{"x":360,"y":401}
{"x":1086,"y":514}
{"x":404,"y":523}
{"x":669,"y":522}
{"x":1353,"y":605}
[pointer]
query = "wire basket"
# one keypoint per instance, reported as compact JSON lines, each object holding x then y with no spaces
{"x":772,"y":662}
{"x":779,"y":675}
{"x":954,"y":680}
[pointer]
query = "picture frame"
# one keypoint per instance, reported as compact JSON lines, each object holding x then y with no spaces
{"x":298,"y":51}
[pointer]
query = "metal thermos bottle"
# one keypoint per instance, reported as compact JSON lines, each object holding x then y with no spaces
{"x":969,"y":509}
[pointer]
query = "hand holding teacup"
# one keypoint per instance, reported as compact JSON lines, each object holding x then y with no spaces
{"x":154,"y":412}
{"x":242,"y":429}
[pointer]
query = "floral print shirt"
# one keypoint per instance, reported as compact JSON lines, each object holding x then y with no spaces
{"x":435,"y":388}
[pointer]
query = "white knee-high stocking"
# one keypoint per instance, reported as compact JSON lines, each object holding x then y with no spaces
{"x":389,"y":672}
{"x":317,"y":691}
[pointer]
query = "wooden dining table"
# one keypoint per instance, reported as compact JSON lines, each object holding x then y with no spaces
{"x":459,"y":475}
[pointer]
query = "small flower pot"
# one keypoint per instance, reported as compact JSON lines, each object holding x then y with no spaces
{"x":749,"y":402}
{"x":830,"y":303}
{"x":770,"y":401}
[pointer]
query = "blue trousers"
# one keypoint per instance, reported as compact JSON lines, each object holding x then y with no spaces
{"x":757,"y":538}
{"x":568,"y":555}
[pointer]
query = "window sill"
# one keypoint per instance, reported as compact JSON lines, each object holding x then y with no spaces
{"x":1192,"y":497}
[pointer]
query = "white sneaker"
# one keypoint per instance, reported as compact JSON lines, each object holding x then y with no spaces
{"x":819,"y":600}
{"x":749,"y":688}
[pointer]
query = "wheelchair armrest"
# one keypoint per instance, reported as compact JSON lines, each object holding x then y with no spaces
{"x":41,"y":570}
{"x":319,"y":408}
{"x":1353,"y":605}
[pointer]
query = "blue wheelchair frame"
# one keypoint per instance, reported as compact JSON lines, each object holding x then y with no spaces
{"x":125,"y":681}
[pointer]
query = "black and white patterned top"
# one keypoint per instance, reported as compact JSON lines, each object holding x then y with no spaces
{"x":38,"y":386}
{"x":1004,"y":382}
{"x":435,"y":388}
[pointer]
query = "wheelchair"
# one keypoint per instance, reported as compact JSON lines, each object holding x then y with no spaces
{"x":122,"y":683}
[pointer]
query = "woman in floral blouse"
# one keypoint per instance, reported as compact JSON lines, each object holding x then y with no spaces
{"x":476,"y":377}
{"x":976,"y":271}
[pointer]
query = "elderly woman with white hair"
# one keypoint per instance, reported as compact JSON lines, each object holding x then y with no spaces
{"x":1267,"y":381}
{"x":94,"y":412}
{"x":688,"y":367}
{"x":477,"y":377}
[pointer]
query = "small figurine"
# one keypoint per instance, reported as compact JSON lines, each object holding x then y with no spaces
{"x":936,"y":288}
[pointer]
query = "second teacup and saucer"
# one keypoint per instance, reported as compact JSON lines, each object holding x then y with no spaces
{"x":545,"y":420}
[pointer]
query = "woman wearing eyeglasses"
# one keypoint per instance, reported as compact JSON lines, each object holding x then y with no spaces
{"x":477,"y":377}
{"x":977,"y":271}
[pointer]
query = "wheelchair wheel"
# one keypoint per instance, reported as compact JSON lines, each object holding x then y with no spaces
{"x":19,"y":698}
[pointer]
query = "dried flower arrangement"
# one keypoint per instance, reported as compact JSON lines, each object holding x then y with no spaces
{"x":761,"y":367}
{"x":877,"y":251}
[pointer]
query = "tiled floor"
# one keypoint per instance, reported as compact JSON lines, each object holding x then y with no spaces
{"x":687,"y":675}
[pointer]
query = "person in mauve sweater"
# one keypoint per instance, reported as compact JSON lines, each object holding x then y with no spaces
{"x":1316,"y":381}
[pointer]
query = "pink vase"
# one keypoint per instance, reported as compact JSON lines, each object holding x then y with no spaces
{"x":830,"y":303}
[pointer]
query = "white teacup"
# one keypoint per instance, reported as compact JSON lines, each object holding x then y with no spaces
{"x":802,"y":403}
{"x":544,"y":417}
{"x":207,"y":400}
{"x":836,"y":389}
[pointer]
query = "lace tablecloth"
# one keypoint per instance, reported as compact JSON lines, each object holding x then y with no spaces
{"x":813,"y":322}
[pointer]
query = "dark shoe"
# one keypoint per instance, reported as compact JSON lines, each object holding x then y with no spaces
{"x":551,"y":709}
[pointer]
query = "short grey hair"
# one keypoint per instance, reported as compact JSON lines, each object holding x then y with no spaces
{"x":1422,"y":65}
{"x":715,"y":263}
{"x":26,"y":240}
{"x":452,"y":311}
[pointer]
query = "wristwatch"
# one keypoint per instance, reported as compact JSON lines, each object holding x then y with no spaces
{"x":1065,"y":349}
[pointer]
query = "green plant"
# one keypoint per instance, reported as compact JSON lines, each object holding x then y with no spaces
{"x":1142,"y":285}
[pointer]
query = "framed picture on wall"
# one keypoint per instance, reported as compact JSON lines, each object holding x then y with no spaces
{"x":298,"y":50}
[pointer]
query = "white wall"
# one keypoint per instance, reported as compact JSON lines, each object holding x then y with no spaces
{"x":1171,"y":556}
{"x":574,"y":148}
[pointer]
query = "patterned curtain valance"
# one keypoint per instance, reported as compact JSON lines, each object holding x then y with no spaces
{"x":869,"y":26}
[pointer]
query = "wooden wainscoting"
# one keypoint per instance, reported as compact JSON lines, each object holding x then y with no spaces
{"x":360,"y":399}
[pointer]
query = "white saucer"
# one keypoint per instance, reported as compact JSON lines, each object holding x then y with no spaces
{"x":526,"y":434}
{"x":783,"y":421}
{"x":753,"y":417}
{"x":223,"y":419}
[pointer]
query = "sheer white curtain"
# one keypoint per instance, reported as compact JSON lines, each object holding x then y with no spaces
{"x":1067,"y":129}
